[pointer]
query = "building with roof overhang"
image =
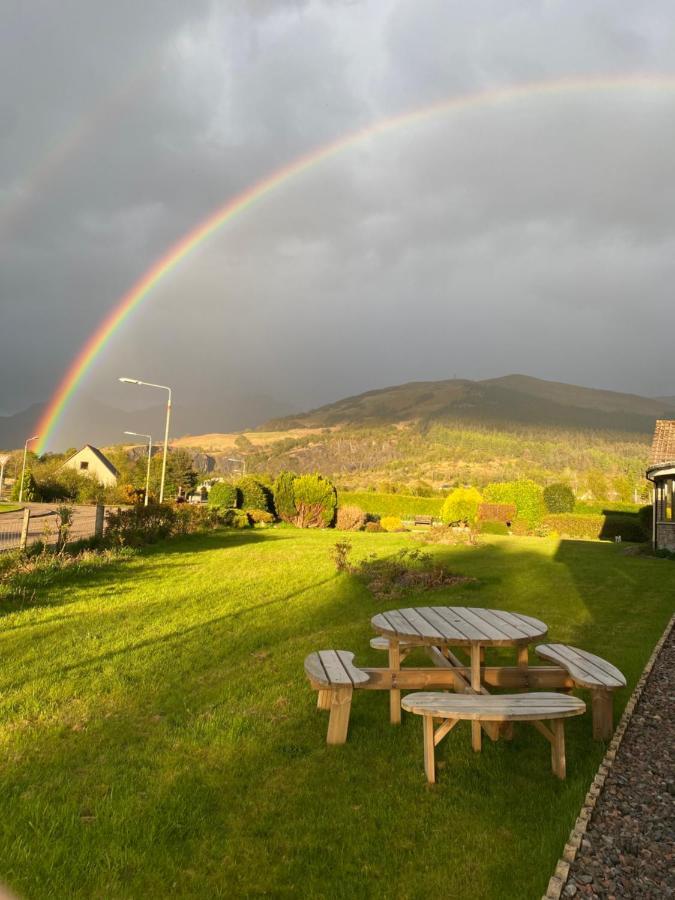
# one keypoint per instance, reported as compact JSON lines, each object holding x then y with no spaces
{"x":661,"y":473}
{"x":91,"y":462}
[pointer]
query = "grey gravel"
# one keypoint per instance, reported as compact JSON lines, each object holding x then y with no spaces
{"x":629,"y":847}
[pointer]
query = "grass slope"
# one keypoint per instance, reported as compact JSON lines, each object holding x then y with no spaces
{"x":159,"y":737}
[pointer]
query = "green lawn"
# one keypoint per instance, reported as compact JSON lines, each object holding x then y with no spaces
{"x":159,"y":736}
{"x":9,"y":507}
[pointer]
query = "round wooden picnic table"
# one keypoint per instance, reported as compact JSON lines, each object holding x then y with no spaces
{"x":446,"y":626}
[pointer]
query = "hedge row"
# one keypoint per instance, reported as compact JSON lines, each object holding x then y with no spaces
{"x":597,"y":527}
{"x":405,"y":506}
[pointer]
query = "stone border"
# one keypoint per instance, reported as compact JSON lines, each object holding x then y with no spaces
{"x":558,"y":880}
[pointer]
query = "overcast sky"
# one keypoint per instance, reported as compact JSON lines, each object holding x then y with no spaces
{"x":533,"y":236}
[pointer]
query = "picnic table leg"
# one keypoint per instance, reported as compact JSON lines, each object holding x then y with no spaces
{"x":394,"y":693}
{"x":603,"y":718}
{"x":558,"y":748}
{"x":338,"y":723}
{"x":475,"y":686}
{"x":429,"y":745}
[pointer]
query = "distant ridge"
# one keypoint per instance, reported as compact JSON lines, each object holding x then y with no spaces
{"x":513,"y":399}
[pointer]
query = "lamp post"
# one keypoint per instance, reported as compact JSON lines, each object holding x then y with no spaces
{"x":242,"y":462}
{"x":166,"y":429}
{"x":4,"y":459}
{"x":23,"y":470}
{"x":147,"y":475}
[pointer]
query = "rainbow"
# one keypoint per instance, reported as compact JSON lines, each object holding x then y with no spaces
{"x":163,"y":267}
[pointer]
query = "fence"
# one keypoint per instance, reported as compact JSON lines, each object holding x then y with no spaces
{"x":39,"y":522}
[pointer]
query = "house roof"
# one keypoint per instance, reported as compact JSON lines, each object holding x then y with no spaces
{"x":663,"y":443}
{"x":100,"y":456}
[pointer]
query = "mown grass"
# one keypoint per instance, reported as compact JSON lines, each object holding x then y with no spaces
{"x":9,"y":507}
{"x":159,"y":737}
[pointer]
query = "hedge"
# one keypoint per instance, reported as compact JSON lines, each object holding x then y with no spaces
{"x":496,"y":512}
{"x":223,"y":494}
{"x":405,"y":506}
{"x":572,"y":525}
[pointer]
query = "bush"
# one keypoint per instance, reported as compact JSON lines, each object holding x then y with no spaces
{"x":140,"y":524}
{"x":493,"y":528}
{"x":315,"y":501}
{"x":284,"y":496}
{"x":30,"y":488}
{"x":260,"y":516}
{"x":254,"y":494}
{"x":350,"y":518}
{"x":225,"y":495}
{"x":496,"y":512}
{"x":572,"y":525}
{"x":373,"y":527}
{"x":646,"y":516}
{"x":524,"y":494}
{"x":559,"y":498}
{"x":235,"y":518}
{"x":391,"y":523}
{"x":404,"y":506}
{"x":461,"y":506}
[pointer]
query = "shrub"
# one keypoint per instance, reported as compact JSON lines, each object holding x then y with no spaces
{"x":224,"y":494}
{"x":391,"y":523}
{"x":315,"y":501}
{"x":140,"y":524}
{"x":646,"y":516}
{"x":491,"y":527}
{"x":350,"y":518}
{"x":404,"y":506}
{"x":235,"y":518}
{"x":572,"y":525}
{"x":30,"y":488}
{"x":559,"y":498}
{"x":284,"y":496}
{"x":254,"y":494}
{"x":461,"y":506}
{"x":373,"y":527}
{"x":526,"y":495}
{"x":260,"y":516}
{"x":496,"y":512}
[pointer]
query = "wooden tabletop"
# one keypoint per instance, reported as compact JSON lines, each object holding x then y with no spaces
{"x":448,"y":625}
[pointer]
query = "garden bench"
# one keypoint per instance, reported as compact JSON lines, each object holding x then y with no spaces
{"x":592,"y":672}
{"x":333,"y":674}
{"x":424,"y":520}
{"x":493,"y":708}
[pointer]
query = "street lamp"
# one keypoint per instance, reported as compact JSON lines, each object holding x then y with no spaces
{"x":147,"y":476}
{"x":166,"y":429}
{"x":23,"y":470}
{"x":242,"y":462}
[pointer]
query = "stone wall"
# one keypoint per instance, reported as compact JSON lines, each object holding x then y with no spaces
{"x":665,"y":536}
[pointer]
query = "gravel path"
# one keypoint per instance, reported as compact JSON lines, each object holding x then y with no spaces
{"x":629,"y":847}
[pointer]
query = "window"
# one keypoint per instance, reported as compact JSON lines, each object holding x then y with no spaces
{"x":84,"y":465}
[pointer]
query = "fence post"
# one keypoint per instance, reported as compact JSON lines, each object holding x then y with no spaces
{"x":100,"y":519}
{"x":24,"y":528}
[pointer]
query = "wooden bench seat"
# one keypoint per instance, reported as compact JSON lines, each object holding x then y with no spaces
{"x":592,"y":672}
{"x":531,"y":707}
{"x":333,"y":674}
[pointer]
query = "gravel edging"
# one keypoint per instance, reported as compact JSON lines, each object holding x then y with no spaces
{"x":560,"y":875}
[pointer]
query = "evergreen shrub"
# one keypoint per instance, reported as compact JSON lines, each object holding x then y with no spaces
{"x":391,"y":523}
{"x":254,"y":494}
{"x":224,"y":495}
{"x":559,"y":498}
{"x":284,"y":496}
{"x":315,"y":501}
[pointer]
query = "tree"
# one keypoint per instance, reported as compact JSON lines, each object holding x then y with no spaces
{"x":596,"y":483}
{"x":254,"y":494}
{"x":284,"y":496}
{"x":461,"y":506}
{"x":559,"y":498}
{"x":30,"y":489}
{"x":315,"y":501}
{"x":224,"y":495}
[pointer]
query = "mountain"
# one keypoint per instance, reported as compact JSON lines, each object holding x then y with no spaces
{"x":512,"y":399}
{"x":92,"y":422}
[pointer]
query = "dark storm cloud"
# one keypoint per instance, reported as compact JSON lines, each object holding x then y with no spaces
{"x":535,"y":235}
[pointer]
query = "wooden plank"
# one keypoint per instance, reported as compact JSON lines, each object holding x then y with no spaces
{"x":437,"y":621}
{"x":455,"y":623}
{"x":445,"y":675}
{"x":356,"y":675}
{"x":603,"y":714}
{"x":558,"y":763}
{"x":444,"y":729}
{"x":338,"y":723}
{"x":335,"y":670}
{"x":457,"y":616}
{"x":521,"y":624}
{"x":421,"y":625}
{"x":487,"y":629}
{"x":587,"y":669}
{"x":429,"y":756}
{"x":494,"y":707}
{"x":395,"y":692}
{"x":315,"y":669}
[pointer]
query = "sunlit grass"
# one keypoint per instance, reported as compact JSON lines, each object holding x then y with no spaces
{"x":159,"y":737}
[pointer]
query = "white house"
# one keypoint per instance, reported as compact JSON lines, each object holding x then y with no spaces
{"x":91,"y":462}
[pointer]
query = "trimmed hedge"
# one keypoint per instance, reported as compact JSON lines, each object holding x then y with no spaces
{"x":559,"y":498}
{"x":527,"y":496}
{"x":497,"y":512}
{"x":254,"y":494}
{"x":572,"y":525}
{"x":405,"y":506}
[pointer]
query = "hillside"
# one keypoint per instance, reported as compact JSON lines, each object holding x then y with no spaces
{"x":511,"y":400}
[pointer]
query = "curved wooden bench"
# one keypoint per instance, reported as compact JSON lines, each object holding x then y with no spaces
{"x":382,"y":643}
{"x":454,"y":708}
{"x":589,"y":671}
{"x":333,"y":674}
